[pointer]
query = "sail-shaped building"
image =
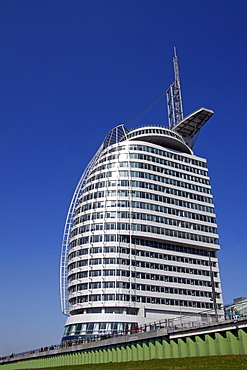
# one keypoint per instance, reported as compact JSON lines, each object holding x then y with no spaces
{"x":140,"y":240}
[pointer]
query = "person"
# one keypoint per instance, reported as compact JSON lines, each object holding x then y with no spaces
{"x":235,"y":315}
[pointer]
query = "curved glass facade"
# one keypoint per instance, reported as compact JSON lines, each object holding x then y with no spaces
{"x":143,"y":241}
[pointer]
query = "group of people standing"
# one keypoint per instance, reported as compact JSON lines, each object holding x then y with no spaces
{"x":233,"y":314}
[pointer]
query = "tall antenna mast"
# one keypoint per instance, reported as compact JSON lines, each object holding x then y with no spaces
{"x":174,"y":98}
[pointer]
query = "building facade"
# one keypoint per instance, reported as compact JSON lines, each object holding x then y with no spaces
{"x":141,"y":238}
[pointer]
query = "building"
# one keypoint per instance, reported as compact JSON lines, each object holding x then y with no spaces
{"x":140,"y":240}
{"x":239,"y":307}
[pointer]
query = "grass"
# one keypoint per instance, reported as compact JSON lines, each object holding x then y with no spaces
{"x":188,"y":363}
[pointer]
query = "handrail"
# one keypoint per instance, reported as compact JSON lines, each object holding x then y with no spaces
{"x":177,"y":324}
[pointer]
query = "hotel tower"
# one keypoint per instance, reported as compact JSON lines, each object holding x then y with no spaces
{"x":140,"y":240}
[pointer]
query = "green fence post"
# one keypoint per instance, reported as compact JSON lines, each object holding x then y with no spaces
{"x":243,"y":341}
{"x":166,"y":348}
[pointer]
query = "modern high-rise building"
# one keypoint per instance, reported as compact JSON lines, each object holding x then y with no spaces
{"x":140,"y":241}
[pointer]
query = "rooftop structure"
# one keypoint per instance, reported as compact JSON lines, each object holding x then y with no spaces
{"x":239,"y":307}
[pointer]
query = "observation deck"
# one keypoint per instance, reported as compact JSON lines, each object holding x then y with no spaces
{"x":159,"y":135}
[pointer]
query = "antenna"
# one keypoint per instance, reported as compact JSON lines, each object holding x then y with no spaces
{"x":174,"y":98}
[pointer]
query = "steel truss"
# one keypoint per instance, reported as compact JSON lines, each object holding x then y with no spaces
{"x":113,"y":137}
{"x":174,"y":98}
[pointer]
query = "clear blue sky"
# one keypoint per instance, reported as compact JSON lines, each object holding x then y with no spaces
{"x":70,"y":71}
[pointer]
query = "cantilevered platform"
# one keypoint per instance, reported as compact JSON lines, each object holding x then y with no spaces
{"x":189,"y":126}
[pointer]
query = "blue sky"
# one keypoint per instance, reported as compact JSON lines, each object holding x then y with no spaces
{"x":70,"y":71}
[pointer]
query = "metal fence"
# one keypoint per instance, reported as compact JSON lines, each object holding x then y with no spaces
{"x":177,"y":324}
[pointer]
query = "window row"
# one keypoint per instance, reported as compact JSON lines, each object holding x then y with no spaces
{"x":144,"y":242}
{"x":136,"y":298}
{"x":136,"y":194}
{"x":165,"y":162}
{"x":141,"y":275}
{"x":139,"y":252}
{"x":151,"y":167}
{"x":159,"y":160}
{"x":165,"y":171}
{"x":166,"y":180}
{"x":141,"y":264}
{"x":143,"y":217}
{"x":98,"y":328}
{"x":149,"y":206}
{"x":147,"y":185}
{"x":111,"y":157}
{"x":142,"y":205}
{"x":160,"y":152}
{"x":145,"y":175}
{"x":175,"y":211}
{"x":155,"y":131}
{"x":114,"y":310}
{"x":98,"y":168}
{"x":172,"y":222}
{"x":145,"y":228}
{"x":151,"y":149}
{"x":141,"y":228}
{"x":143,"y":287}
{"x":167,"y":154}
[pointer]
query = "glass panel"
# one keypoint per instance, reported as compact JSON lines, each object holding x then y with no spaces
{"x":83,"y":329}
{"x":96,"y":328}
{"x":67,"y":330}
{"x":78,"y":329}
{"x":108,"y":329}
{"x":90,"y":328}
{"x":73,"y":329}
{"x":120,"y":327}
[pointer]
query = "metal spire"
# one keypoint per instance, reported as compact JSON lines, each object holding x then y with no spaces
{"x":174,"y":98}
